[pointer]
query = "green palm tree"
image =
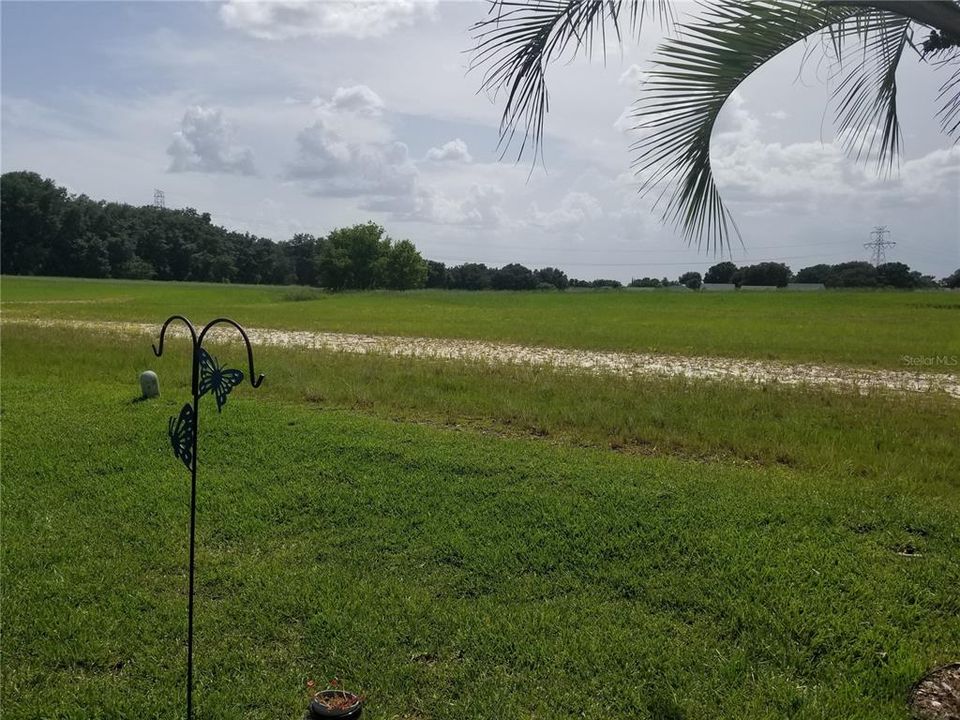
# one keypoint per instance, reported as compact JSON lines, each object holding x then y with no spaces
{"x":697,"y":68}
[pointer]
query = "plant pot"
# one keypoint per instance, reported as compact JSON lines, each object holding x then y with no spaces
{"x":350,"y":711}
{"x":936,"y":696}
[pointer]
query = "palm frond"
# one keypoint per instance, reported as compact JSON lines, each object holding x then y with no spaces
{"x":866,"y":95}
{"x":949,"y":97}
{"x":519,"y":38}
{"x":692,"y":77}
{"x":883,"y":33}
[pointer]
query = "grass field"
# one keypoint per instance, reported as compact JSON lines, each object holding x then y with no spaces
{"x":463,"y":541}
{"x":867,"y":329}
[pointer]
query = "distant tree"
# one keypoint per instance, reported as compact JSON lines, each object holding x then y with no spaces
{"x":221,"y":268}
{"x":852,"y":274}
{"x":720,"y":273}
{"x":302,"y":250}
{"x":923,"y":282}
{"x":470,"y":276}
{"x":437,"y":276}
{"x":766,"y":273}
{"x":31,"y":209}
{"x":347,"y":257}
{"x":552,"y":276}
{"x":952,"y":281}
{"x":692,"y":280}
{"x":400,"y":267}
{"x":645,"y":282}
{"x":278,"y":268}
{"x":45,"y":230}
{"x":604,"y":283}
{"x":895,"y":275}
{"x":513,"y":277}
{"x":90,"y":257}
{"x":135,"y":269}
{"x":814,"y":274}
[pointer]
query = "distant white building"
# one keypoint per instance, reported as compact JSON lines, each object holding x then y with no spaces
{"x":718,"y":287}
{"x":806,"y":287}
{"x":730,"y":287}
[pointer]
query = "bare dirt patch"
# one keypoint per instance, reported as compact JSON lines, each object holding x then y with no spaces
{"x":589,"y":361}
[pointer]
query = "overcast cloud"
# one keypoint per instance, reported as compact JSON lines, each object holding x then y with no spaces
{"x":285,"y":117}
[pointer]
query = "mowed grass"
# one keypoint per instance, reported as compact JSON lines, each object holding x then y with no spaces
{"x":868,"y":329}
{"x":420,"y":545}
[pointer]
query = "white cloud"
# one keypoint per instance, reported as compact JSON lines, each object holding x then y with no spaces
{"x":736,"y":123}
{"x":748,"y":169}
{"x":358,"y":99}
{"x":454,"y":151}
{"x":633,"y":76}
{"x":937,"y":173}
{"x":286,"y":19}
{"x":479,"y":206}
{"x":203,"y":144}
{"x":574,"y":209}
{"x":626,"y":122}
{"x":331,"y":165}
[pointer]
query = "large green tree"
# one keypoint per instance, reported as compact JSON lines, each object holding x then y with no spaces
{"x":401,"y":267}
{"x":699,"y":66}
{"x":32,"y":213}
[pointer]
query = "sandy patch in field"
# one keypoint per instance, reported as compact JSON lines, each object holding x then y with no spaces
{"x":95,"y":301}
{"x":591,"y":361}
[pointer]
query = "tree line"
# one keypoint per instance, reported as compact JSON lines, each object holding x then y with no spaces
{"x":852,"y":274}
{"x":44,"y":230}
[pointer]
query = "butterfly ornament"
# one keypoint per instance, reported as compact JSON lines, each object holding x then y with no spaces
{"x":183,"y":432}
{"x":215,"y":379}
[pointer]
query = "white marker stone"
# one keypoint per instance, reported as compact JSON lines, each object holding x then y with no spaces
{"x":149,"y":384}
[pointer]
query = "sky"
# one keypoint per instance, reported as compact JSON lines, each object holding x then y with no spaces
{"x":285,"y":117}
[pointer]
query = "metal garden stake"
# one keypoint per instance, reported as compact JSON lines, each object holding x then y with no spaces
{"x":208,"y":377}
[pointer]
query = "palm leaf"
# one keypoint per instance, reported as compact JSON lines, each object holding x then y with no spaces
{"x":519,"y":38}
{"x":949,"y":112}
{"x":692,"y":77}
{"x":696,"y":72}
{"x":867,"y":93}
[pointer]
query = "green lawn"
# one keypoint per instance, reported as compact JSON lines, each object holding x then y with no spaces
{"x":869,"y":329}
{"x":457,"y":541}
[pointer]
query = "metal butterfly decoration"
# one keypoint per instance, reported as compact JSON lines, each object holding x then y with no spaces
{"x":183,"y":432}
{"x":217,"y":379}
{"x":214,"y":378}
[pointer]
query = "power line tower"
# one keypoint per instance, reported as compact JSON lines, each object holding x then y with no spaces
{"x":158,"y":199}
{"x":878,"y":245}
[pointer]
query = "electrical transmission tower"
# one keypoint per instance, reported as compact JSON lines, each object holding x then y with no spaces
{"x":158,"y":199}
{"x":878,"y":245}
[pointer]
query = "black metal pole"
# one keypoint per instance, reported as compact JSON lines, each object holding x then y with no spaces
{"x":195,"y":374}
{"x":220,"y":381}
{"x":193,"y":531}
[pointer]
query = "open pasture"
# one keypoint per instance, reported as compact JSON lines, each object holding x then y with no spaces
{"x":865,"y":329}
{"x":463,"y":541}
